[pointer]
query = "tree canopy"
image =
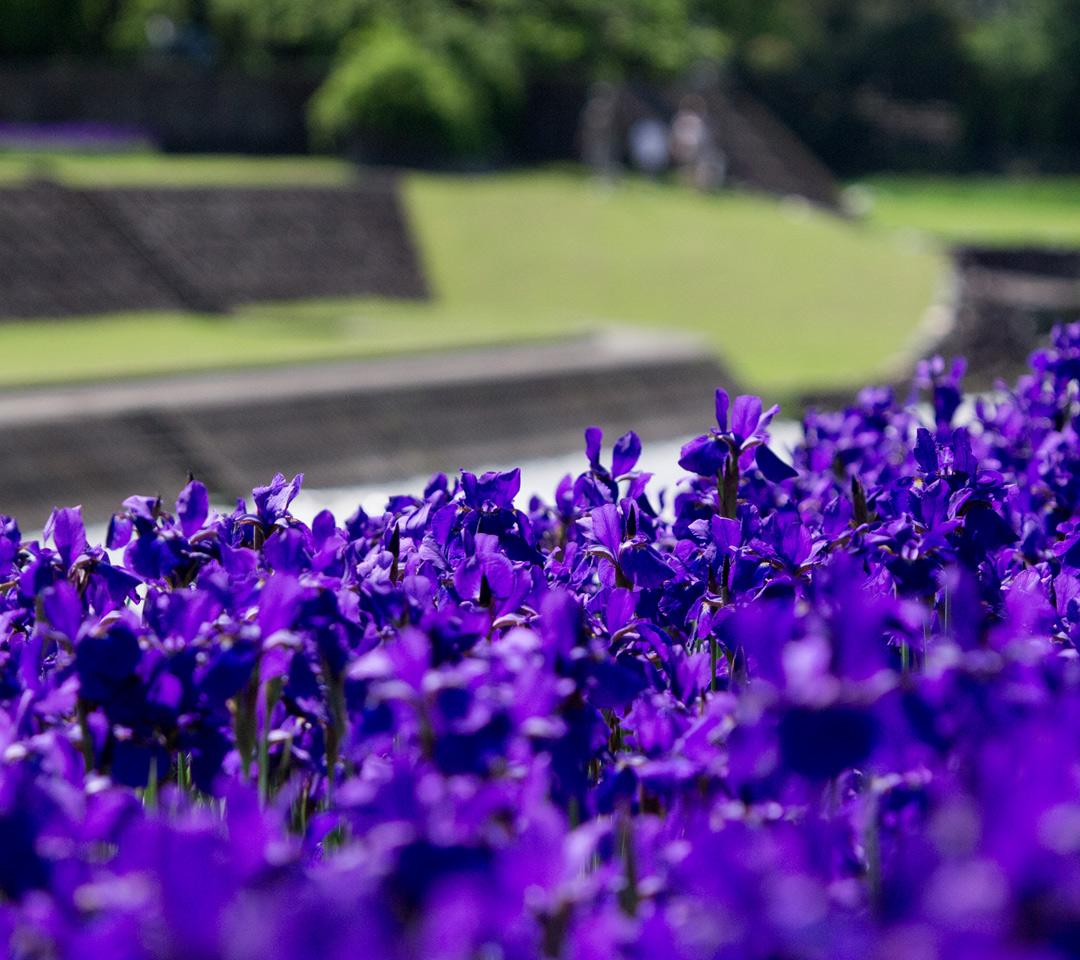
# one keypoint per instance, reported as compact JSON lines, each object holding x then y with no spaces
{"x":1010,"y":69}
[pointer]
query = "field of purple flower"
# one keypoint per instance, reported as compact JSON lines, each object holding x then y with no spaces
{"x":822,"y":711}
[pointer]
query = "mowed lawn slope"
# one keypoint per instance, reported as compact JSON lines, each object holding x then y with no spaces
{"x":789,"y":297}
{"x":984,"y":210}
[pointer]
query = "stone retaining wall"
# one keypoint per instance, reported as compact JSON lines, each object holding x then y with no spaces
{"x":342,"y":424}
{"x":89,"y":251}
{"x":1005,"y":303}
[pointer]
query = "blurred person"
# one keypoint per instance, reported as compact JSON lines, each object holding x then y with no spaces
{"x":648,"y":140}
{"x":598,"y":131}
{"x":693,"y":146}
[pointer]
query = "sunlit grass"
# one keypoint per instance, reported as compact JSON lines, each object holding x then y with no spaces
{"x":986,"y":210}
{"x":150,"y":344}
{"x":788,"y":296}
{"x":145,"y":168}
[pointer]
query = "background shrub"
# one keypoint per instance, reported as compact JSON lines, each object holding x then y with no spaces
{"x":389,"y":96}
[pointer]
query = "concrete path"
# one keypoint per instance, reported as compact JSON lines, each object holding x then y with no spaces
{"x":606,"y":351}
{"x":343,"y":423}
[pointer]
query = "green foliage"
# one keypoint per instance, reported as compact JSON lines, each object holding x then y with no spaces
{"x":613,"y":39}
{"x":908,"y":49}
{"x":35,"y":28}
{"x":483,"y":55}
{"x":409,"y":100}
{"x":479,"y":43}
{"x":1011,"y":67}
{"x":413,"y":74}
{"x":1011,"y":47}
{"x":263,"y":29}
{"x":1025,"y":59}
{"x":25,"y":31}
{"x":127,"y":32}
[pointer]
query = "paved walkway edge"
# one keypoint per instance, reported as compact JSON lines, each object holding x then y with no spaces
{"x":344,"y":423}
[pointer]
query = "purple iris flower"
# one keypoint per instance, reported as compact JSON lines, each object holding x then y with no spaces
{"x":728,"y":449}
{"x":824,"y":715}
{"x":616,"y":537}
{"x":272,"y":502}
{"x":748,"y":429}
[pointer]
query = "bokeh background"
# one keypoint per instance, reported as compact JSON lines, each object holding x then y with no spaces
{"x":816,"y":193}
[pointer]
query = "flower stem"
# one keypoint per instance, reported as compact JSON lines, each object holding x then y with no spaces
{"x":271,"y":695}
{"x":183,"y":772}
{"x":729,"y":504}
{"x":150,"y":796}
{"x":86,"y":740}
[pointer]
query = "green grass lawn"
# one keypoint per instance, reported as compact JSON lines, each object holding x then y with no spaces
{"x":986,"y":210}
{"x":790,"y":298}
{"x":145,"y":168}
